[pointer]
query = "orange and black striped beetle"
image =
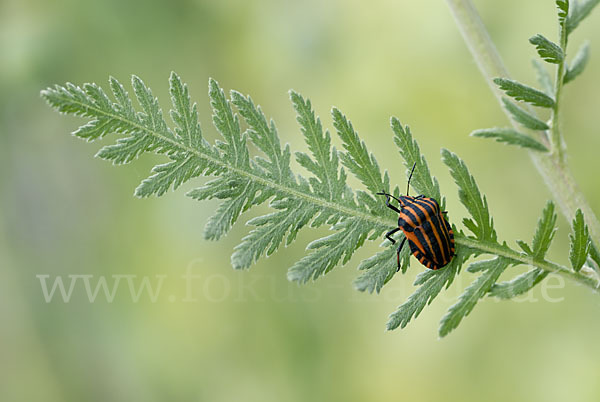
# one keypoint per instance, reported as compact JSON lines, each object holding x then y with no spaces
{"x":429,"y":234}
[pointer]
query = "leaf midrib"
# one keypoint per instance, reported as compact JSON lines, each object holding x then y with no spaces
{"x":269,"y":183}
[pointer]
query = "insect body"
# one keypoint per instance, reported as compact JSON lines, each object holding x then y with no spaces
{"x":429,"y":234}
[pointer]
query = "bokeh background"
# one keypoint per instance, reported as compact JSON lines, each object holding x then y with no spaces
{"x":253,"y":336}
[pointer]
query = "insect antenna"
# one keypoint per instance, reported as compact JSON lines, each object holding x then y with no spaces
{"x":410,"y":177}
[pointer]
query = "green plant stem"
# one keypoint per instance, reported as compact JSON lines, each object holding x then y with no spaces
{"x":558,"y":148}
{"x":552,"y":167}
{"x":495,"y":249}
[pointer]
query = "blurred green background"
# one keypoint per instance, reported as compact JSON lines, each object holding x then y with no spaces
{"x":253,"y":336}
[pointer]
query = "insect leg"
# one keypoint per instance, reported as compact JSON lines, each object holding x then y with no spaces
{"x":387,"y":201}
{"x":398,"y":252}
{"x":390,"y":233}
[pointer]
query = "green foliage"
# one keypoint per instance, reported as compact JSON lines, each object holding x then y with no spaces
{"x":548,"y":50}
{"x":329,"y":180}
{"x":524,"y":118}
{"x":546,"y":229}
{"x":579,"y":62}
{"x":242,"y":179}
{"x":569,"y":16}
{"x":518,"y":285}
{"x":544,"y":233}
{"x":380,"y":268}
{"x":563,"y":10}
{"x":548,"y":98}
{"x":524,"y":93}
{"x":481,"y":223}
{"x":352,"y":231}
{"x":511,"y":137}
{"x":422,"y":182}
{"x":491,"y":270}
{"x":432,"y":282}
{"x":580,"y":242}
{"x":430,"y":285}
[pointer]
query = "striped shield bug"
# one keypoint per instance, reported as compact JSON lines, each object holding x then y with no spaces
{"x":429,"y":234}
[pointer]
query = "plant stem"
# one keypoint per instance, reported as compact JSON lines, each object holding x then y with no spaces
{"x":558,"y":148}
{"x":552,"y":167}
{"x":480,"y":45}
{"x":494,"y":249}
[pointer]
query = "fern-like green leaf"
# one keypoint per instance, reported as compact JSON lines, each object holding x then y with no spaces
{"x":357,"y":158}
{"x":525,"y":118}
{"x":380,"y":268}
{"x":510,"y":137}
{"x":580,"y":242}
{"x":432,"y":282}
{"x":236,"y":190}
{"x":525,"y":247}
{"x":563,"y":10}
{"x":524,"y":93}
{"x":182,"y":167}
{"x":518,"y":285}
{"x":430,"y":285}
{"x":482,"y":227}
{"x":241,"y":180}
{"x":422,"y":181}
{"x":492,"y":269}
{"x":481,"y":223}
{"x":579,"y":62}
{"x":548,"y":50}
{"x":544,"y":233}
{"x":264,"y":136}
{"x":329,"y":251}
{"x":594,"y":254}
{"x":352,"y":232}
{"x":329,"y":180}
{"x":169,"y":175}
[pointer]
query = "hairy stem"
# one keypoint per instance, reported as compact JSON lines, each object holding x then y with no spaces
{"x":552,"y":167}
{"x":558,"y":148}
{"x":479,"y":43}
{"x":590,"y":281}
